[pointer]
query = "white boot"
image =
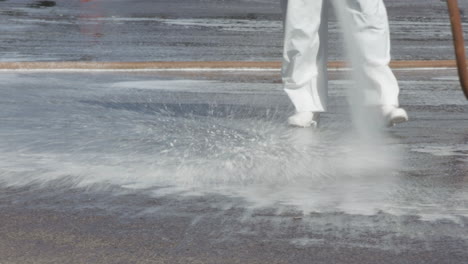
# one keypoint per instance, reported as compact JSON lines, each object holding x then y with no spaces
{"x":394,"y":115}
{"x":304,"y":119}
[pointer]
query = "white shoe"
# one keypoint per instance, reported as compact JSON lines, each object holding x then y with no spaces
{"x":304,"y":119}
{"x":394,"y":115}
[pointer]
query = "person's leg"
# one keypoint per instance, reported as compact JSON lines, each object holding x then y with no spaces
{"x":304,"y":68}
{"x":367,"y":38}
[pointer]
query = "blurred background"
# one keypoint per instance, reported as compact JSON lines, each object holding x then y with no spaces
{"x":184,"y":30}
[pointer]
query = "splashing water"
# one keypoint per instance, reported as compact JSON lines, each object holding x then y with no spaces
{"x":107,"y":136}
{"x":261,"y":160}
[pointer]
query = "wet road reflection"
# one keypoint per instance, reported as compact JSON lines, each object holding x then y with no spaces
{"x":213,"y":159}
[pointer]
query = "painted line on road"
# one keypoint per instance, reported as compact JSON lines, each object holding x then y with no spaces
{"x":198,"y":66}
{"x":197,"y":70}
{"x":147,"y":70}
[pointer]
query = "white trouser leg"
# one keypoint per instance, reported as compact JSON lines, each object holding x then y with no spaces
{"x":367,"y":37}
{"x":304,"y":69}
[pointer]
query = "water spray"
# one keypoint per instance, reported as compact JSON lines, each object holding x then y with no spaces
{"x":459,"y":43}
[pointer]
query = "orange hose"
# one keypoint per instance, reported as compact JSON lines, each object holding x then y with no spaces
{"x":459,"y":44}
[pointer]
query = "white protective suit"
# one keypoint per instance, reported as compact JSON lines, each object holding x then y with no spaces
{"x":366,"y":34}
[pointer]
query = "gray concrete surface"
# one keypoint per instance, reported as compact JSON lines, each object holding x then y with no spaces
{"x":199,"y":167}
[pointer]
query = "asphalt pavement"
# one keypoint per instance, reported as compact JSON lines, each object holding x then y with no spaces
{"x":200,"y":166}
{"x":185,"y":30}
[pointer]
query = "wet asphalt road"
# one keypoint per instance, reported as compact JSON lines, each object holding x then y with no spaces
{"x":199,"y":167}
{"x":183,"y":30}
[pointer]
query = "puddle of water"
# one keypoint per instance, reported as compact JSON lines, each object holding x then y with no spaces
{"x":122,"y":134}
